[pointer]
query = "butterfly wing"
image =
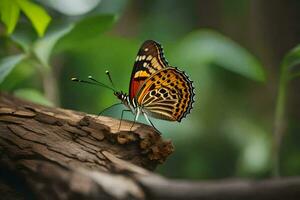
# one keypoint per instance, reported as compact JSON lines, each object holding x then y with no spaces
{"x":149,"y":60}
{"x":168,"y":94}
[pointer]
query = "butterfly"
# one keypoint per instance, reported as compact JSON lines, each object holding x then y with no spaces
{"x":156,"y":89}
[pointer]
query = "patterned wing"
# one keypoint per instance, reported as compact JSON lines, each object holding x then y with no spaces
{"x":168,"y":94}
{"x":149,"y":60}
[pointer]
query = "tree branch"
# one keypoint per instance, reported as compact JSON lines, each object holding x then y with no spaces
{"x":53,"y":153}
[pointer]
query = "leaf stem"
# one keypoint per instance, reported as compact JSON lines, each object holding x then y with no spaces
{"x":50,"y":86}
{"x":279,"y":121}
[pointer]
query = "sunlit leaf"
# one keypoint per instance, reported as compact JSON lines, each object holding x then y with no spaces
{"x":33,"y":95}
{"x":208,"y":47}
{"x":10,"y":12}
{"x":8,"y":63}
{"x":72,"y":7}
{"x":37,"y":15}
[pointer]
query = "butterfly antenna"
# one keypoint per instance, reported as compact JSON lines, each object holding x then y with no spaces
{"x":95,"y":82}
{"x":109,"y":77}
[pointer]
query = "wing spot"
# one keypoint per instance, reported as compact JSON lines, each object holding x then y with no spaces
{"x":156,"y":66}
{"x":146,"y":49}
{"x":153,"y":92}
{"x":162,"y":91}
{"x":152,"y":87}
{"x":151,"y":70}
{"x":149,"y":57}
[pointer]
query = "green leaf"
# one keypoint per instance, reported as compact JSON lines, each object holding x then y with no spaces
{"x":8,"y":63}
{"x":20,"y":75}
{"x":24,"y":37}
{"x":37,"y":15}
{"x":290,"y":61}
{"x":43,"y":47}
{"x":32,"y":95}
{"x":10,"y":13}
{"x":208,"y":47}
{"x":86,"y":29}
{"x":72,"y":33}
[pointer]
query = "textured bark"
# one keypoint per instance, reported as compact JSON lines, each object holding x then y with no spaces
{"x":52,"y":147}
{"x":52,"y":153}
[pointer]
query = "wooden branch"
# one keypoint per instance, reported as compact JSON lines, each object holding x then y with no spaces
{"x":52,"y":153}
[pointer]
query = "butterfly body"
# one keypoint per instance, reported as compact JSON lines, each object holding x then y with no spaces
{"x":157,"y":89}
{"x":125,"y":99}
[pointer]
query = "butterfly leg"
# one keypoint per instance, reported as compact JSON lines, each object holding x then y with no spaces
{"x":122,"y":117}
{"x":148,"y":120}
{"x":135,"y":118}
{"x":105,"y":109}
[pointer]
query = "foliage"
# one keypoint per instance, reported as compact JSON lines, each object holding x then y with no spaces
{"x":8,"y":63}
{"x":287,"y":73}
{"x":208,"y":47}
{"x":39,"y":50}
{"x":10,"y":13}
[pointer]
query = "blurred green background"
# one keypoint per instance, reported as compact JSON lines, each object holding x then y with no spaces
{"x":232,"y":50}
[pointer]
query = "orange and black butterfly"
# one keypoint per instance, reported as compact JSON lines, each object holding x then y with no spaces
{"x":156,"y":89}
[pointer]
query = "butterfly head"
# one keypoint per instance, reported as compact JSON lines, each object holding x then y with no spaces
{"x":120,"y":95}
